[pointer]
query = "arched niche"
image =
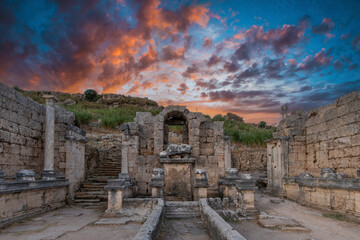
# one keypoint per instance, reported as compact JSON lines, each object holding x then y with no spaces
{"x":176,"y":128}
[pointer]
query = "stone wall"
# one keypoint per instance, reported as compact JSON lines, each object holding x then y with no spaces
{"x":328,"y":137}
{"x":145,"y":138}
{"x":248,"y":159}
{"x":22,"y":128}
{"x":21,"y":200}
{"x":341,"y":195}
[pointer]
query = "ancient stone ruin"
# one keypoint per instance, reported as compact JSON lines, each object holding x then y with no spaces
{"x":196,"y":176}
{"x":314,"y":158}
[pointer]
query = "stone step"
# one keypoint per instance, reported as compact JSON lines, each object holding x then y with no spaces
{"x":181,"y":204}
{"x":87,"y":200}
{"x":182,"y":215}
{"x":86,"y":196}
{"x":93,"y":186}
{"x":187,"y":209}
{"x":91,"y":205}
{"x":92,"y":193}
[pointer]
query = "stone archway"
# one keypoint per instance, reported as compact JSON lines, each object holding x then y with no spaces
{"x":177,"y":123}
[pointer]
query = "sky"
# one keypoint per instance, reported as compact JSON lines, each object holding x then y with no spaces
{"x":245,"y":57}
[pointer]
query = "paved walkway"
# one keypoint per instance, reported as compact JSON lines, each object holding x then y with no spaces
{"x":70,"y":223}
{"x":183,"y":229}
{"x":318,"y":226}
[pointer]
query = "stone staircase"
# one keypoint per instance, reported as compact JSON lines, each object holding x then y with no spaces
{"x":91,"y":193}
{"x":177,"y":210}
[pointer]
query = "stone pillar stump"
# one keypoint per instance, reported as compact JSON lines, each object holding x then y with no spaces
{"x":157,"y":183}
{"x":246,"y":188}
{"x":229,"y":182}
{"x":201,"y":184}
{"x":118,"y":189}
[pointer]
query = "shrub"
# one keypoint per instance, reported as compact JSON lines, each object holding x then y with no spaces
{"x":234,"y":117}
{"x":18,"y":89}
{"x":262,"y":124}
{"x":218,"y":118}
{"x":91,"y":95}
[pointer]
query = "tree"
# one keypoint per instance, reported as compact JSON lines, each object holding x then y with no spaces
{"x":91,"y":95}
{"x":262,"y":124}
{"x":218,"y":118}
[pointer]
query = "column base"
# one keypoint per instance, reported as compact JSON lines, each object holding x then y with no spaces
{"x":200,"y":192}
{"x":48,"y":175}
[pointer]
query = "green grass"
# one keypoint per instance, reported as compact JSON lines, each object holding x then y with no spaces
{"x":176,"y":129}
{"x":247,"y":133}
{"x":86,"y":112}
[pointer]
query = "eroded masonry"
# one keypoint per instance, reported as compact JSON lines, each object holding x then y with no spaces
{"x":314,"y":157}
{"x":148,"y":172}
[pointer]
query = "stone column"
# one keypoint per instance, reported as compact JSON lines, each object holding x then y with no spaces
{"x":48,"y":172}
{"x":124,"y":155}
{"x":227,"y":152}
{"x":246,"y":188}
{"x":201,"y":184}
{"x":157,"y":183}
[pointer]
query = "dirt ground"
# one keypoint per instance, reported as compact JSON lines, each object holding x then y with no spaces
{"x":317,"y":226}
{"x":69,"y":223}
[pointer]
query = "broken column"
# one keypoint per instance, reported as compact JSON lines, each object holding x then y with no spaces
{"x":246,"y":187}
{"x":157,"y":183}
{"x":48,"y":172}
{"x":201,"y":184}
{"x":118,"y":189}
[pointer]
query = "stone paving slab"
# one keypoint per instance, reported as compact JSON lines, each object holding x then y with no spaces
{"x":73,"y":223}
{"x":120,"y":221}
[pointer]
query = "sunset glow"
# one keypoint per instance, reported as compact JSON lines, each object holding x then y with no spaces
{"x":244,"y":57}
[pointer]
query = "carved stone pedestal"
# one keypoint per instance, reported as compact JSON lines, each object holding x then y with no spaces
{"x":117,"y":190}
{"x":246,"y":188}
{"x":228,"y":183}
{"x":157,"y":183}
{"x":200,"y":185}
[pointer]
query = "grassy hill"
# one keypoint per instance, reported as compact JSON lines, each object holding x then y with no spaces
{"x":111,"y":110}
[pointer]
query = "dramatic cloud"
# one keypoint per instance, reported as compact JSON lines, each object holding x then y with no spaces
{"x":213,"y":60}
{"x":316,"y":62}
{"x":326,"y":26}
{"x":189,"y":73}
{"x":209,"y":85}
{"x":183,"y":88}
{"x":207,"y":42}
{"x":220,"y":59}
{"x":356,"y":42}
